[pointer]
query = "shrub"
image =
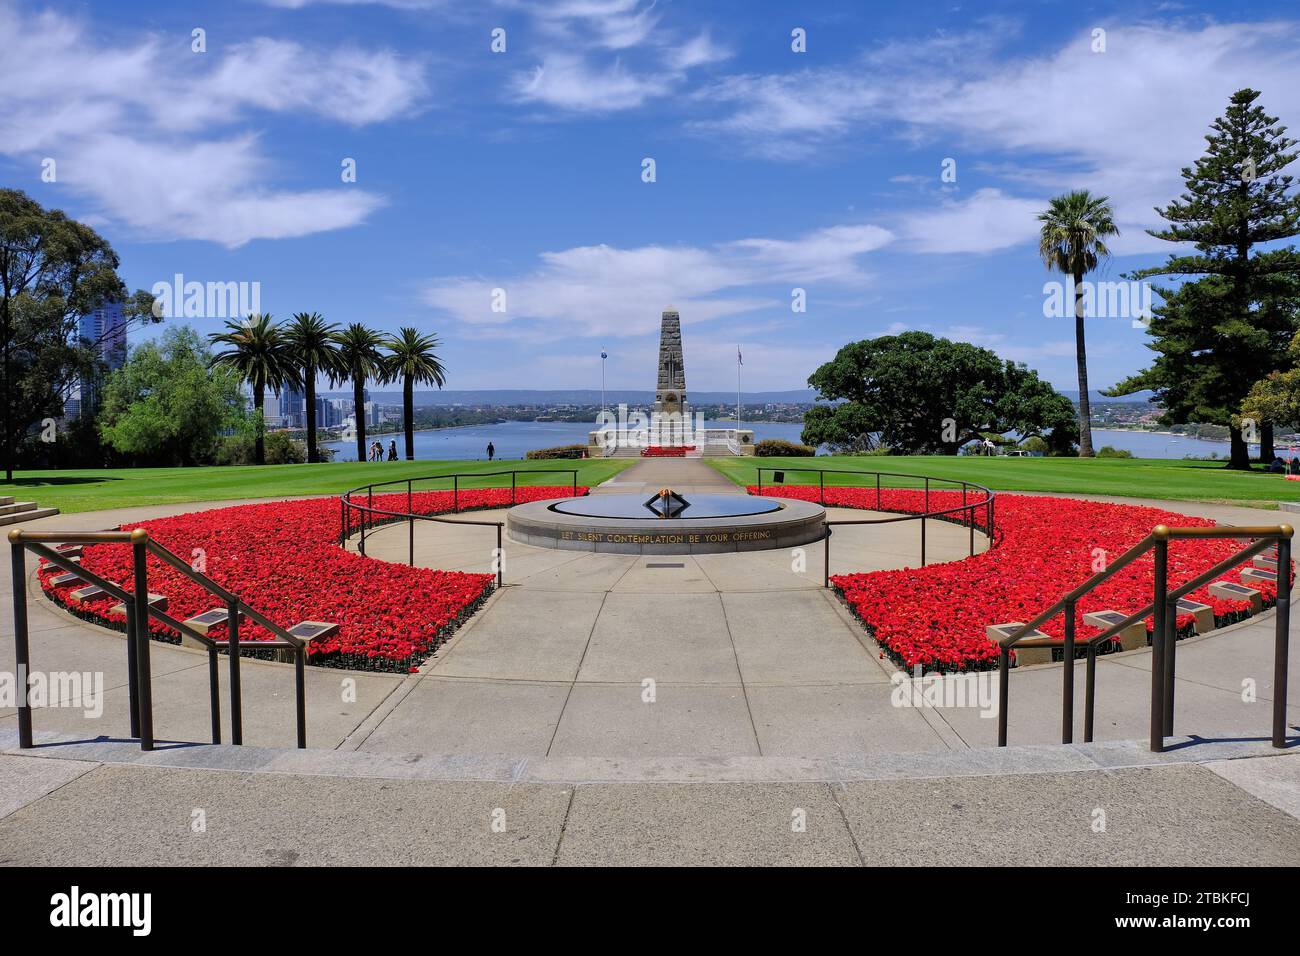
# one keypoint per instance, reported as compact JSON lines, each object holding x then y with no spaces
{"x":560,"y":451}
{"x":1106,"y":451}
{"x":780,"y":448}
{"x":238,"y":449}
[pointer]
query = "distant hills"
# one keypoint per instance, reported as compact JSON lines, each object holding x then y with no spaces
{"x":591,"y":396}
{"x":575,"y":396}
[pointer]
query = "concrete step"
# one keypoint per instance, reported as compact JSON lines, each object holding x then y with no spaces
{"x":27,"y":515}
{"x":6,"y":499}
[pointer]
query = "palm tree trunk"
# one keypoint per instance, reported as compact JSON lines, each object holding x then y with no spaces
{"x":408,"y":415}
{"x":309,"y":387}
{"x":1081,"y":359}
{"x":259,"y":441}
{"x":359,"y":414}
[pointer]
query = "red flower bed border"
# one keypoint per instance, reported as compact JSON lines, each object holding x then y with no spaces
{"x":1044,"y":546}
{"x":666,"y":451}
{"x":284,"y":559}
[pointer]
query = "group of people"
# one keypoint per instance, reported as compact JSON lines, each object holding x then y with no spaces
{"x":377,"y":451}
{"x":1280,"y":467}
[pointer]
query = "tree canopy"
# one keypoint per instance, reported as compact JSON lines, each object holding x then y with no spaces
{"x":919,"y":394}
{"x":53,"y":270}
{"x":1215,"y":336}
{"x":168,"y":405}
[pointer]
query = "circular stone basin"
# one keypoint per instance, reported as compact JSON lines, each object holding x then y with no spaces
{"x":698,"y":506}
{"x":710,"y":523}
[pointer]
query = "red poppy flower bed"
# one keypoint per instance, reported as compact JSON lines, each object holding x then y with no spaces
{"x":935,"y":616}
{"x":284,"y":559}
{"x":666,"y":451}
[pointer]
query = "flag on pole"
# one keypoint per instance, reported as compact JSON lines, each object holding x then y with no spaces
{"x":739,"y":359}
{"x":604,"y":354}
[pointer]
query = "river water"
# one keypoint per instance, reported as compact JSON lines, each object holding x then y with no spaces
{"x":514,"y":439}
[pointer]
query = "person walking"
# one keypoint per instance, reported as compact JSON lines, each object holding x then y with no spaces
{"x":491,"y":450}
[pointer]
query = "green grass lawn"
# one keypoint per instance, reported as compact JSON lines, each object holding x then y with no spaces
{"x":98,"y":488}
{"x":1135,"y":477}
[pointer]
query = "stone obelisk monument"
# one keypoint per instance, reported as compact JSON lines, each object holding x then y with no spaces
{"x":671,"y":420}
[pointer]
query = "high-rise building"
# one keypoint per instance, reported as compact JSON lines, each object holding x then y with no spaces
{"x":293,"y":407}
{"x":103,"y":331}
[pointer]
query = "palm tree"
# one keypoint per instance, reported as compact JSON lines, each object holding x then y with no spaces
{"x":1074,"y":226}
{"x":360,"y":360}
{"x":413,"y":359}
{"x":260,"y":353}
{"x":311,"y":340}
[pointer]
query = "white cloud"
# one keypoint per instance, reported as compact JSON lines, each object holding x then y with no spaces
{"x":1121,"y":123}
{"x":986,"y":221}
{"x":569,"y":82}
{"x":601,"y":290}
{"x":154,"y":142}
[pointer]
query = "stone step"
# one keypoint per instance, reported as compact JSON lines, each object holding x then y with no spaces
{"x":87,"y":593}
{"x":1265,"y":562}
{"x":1130,"y":639}
{"x":29,"y":515}
{"x":1034,"y":648}
{"x":155,"y":600}
{"x":1202,"y":613}
{"x":6,"y":499}
{"x":1231,"y":591}
{"x":1249,"y":575}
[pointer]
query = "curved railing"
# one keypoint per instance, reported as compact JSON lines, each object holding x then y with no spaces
{"x":968,"y":509}
{"x":368,"y":516}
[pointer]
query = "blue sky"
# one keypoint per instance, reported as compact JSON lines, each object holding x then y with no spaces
{"x":522,"y":170}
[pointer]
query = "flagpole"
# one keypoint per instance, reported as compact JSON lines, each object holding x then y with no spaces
{"x":739,"y":363}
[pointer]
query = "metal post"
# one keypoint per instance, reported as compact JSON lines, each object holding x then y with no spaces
{"x":140,"y":574}
{"x":1067,"y":677}
{"x":877,"y":491}
{"x":455,"y":493}
{"x":501,"y":559}
{"x":575,"y":482}
{"x":826,"y":564}
{"x":760,"y":479}
{"x":1281,"y":637}
{"x":922,"y":540}
{"x":236,"y":699}
{"x":1089,"y":688}
{"x":970,"y":517}
{"x":22,"y":652}
{"x":214,"y":694}
{"x":1171,"y":655}
{"x":821,"y":487}
{"x":513,"y":477}
{"x":1159,"y":604}
{"x":300,"y":688}
{"x":927,"y":495}
{"x":1004,"y":665}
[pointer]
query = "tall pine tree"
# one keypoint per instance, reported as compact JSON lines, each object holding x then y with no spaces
{"x":1217,"y":334}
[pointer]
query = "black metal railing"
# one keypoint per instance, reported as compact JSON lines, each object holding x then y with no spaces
{"x":968,"y":509}
{"x":1163,"y":611}
{"x":138,"y":612}
{"x":368,"y":516}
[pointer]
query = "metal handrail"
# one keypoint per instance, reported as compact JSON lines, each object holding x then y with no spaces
{"x":986,"y":503}
{"x":139,"y":676}
{"x":368,"y":510}
{"x":1164,"y":613}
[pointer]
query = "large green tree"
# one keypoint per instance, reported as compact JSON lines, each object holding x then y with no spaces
{"x":1230,"y":321}
{"x":361,"y":361}
{"x":53,"y":270}
{"x":312,"y":347}
{"x":413,"y":358}
{"x":257,"y":349}
{"x":1075,"y":227}
{"x":920,"y":394}
{"x":168,"y":405}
